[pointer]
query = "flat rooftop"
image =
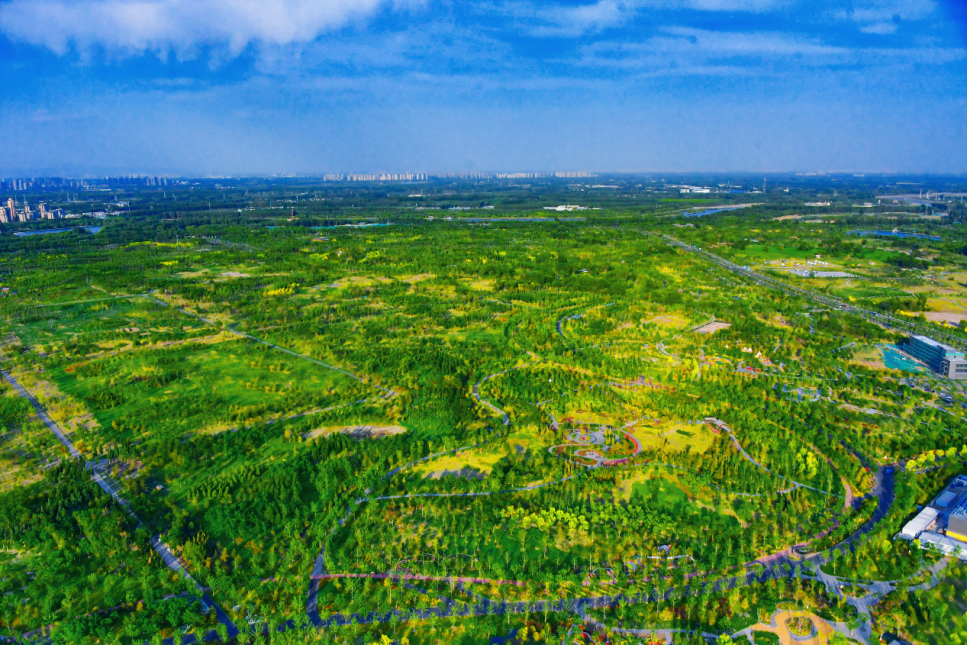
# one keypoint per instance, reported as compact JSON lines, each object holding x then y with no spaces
{"x":934,"y":343}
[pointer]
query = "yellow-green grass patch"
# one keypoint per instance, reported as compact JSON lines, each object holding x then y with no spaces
{"x":476,"y":460}
{"x":482,"y":285}
{"x":672,"y":436}
{"x":482,"y":459}
{"x":947,"y":305}
{"x":586,"y":417}
{"x":674,"y":322}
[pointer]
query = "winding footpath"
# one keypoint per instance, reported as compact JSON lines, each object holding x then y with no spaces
{"x":771,"y":567}
{"x":485,"y":402}
{"x":766,"y":568}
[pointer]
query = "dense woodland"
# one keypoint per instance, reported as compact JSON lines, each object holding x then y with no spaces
{"x":517,"y":400}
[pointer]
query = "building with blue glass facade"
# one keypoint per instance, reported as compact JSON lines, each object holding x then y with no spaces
{"x":942,"y":359}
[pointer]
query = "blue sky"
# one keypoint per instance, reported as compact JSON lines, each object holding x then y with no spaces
{"x":93,"y":87}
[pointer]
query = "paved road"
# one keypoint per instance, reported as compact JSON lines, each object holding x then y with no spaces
{"x":166,"y":556}
{"x":778,"y":565}
{"x":829,"y":301}
{"x":773,"y":566}
{"x":485,"y":402}
{"x":42,"y":413}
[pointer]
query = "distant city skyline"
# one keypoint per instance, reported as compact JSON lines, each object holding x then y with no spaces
{"x":28,"y":183}
{"x":12,"y":212}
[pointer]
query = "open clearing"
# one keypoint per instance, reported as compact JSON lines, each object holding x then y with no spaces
{"x":359,"y":432}
{"x":672,"y":436}
{"x":712,"y":327}
{"x":477,"y":460}
{"x":674,"y":322}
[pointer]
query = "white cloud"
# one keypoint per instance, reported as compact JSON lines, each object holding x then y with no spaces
{"x":879,"y":28}
{"x":883,"y":17}
{"x":556,"y":20}
{"x":885,"y":10}
{"x":681,"y":48}
{"x":179,"y":25}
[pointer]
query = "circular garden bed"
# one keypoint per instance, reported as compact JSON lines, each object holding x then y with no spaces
{"x":801,"y":628}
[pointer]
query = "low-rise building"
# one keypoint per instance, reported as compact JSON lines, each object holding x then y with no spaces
{"x":942,"y":359}
{"x":936,"y":527}
{"x":944,"y":544}
{"x":924,"y":520}
{"x":957,"y":523}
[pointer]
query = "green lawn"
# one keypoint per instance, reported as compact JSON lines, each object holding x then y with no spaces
{"x":200,"y":388}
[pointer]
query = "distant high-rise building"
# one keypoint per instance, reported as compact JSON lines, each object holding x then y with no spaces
{"x":44,"y":213}
{"x":11,"y":211}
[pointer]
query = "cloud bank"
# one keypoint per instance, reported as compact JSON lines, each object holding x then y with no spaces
{"x":179,"y":25}
{"x":187,"y":26}
{"x":212,"y":86}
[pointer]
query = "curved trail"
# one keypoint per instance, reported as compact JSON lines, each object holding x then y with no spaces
{"x":773,"y":567}
{"x":560,"y":321}
{"x":876,"y":591}
{"x":494,"y":408}
{"x":739,"y":447}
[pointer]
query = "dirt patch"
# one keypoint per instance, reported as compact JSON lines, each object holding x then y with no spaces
{"x":945,"y":317}
{"x":192,"y":274}
{"x":712,"y":327}
{"x":779,"y":321}
{"x":358,"y":432}
{"x":235,"y":274}
{"x":465,"y":472}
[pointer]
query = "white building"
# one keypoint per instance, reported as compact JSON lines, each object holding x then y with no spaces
{"x":923,"y":521}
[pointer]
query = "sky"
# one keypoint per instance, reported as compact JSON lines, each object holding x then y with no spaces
{"x":227,"y":87}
